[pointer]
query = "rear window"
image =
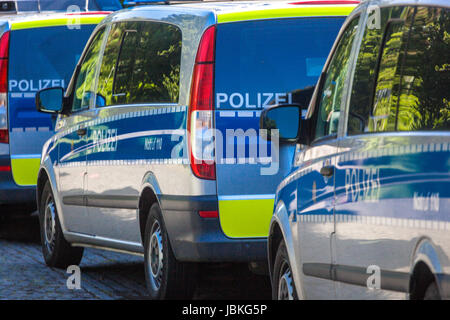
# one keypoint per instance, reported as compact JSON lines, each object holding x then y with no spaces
{"x":259,"y":63}
{"x":41,"y":58}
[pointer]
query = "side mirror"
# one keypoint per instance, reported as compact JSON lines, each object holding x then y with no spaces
{"x":286,"y":118}
{"x":50,"y":100}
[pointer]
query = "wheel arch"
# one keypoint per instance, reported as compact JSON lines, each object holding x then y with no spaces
{"x":425,"y":268}
{"x":148,"y":196}
{"x":280,"y":231}
{"x":273,"y":241}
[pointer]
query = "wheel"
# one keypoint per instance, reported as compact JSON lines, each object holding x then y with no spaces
{"x":166,"y":278}
{"x":57,"y":251}
{"x":283,"y":287}
{"x":432,"y":292}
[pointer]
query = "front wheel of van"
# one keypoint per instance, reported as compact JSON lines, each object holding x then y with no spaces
{"x":283,"y":287}
{"x":166,"y":278}
{"x":57,"y":251}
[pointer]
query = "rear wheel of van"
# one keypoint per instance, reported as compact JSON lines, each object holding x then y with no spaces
{"x":166,"y":278}
{"x":57,"y":251}
{"x":432,"y":292}
{"x":283,"y":287}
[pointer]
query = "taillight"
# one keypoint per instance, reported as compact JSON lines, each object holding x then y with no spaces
{"x":201,"y":109}
{"x":4,"y":51}
{"x":209,"y":214}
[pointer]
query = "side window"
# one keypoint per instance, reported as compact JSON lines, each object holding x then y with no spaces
{"x":108,"y":68}
{"x":333,"y":84}
{"x":85,"y":83}
{"x":125,"y":66}
{"x":407,"y":90}
{"x":424,"y":97}
{"x":364,"y":76}
{"x":148,"y":65}
{"x":385,"y":100}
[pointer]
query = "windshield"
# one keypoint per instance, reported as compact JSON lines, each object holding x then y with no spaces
{"x":265,"y":62}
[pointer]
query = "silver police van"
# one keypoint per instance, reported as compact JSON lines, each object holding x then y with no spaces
{"x":365,"y":211}
{"x":32,"y":57}
{"x":157,"y":150}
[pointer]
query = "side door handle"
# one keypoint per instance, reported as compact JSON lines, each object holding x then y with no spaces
{"x":327,"y":171}
{"x":82,"y":132}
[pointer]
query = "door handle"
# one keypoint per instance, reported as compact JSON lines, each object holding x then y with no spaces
{"x":82,"y":132}
{"x":327,"y":171}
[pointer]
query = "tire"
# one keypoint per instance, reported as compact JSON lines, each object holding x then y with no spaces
{"x":56,"y":250}
{"x":432,"y":292}
{"x":166,"y":278}
{"x":283,"y":286}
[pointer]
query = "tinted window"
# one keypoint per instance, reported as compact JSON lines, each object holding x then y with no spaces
{"x":424,"y":98}
{"x":410,"y":91}
{"x":108,"y":68}
{"x":271,"y":61}
{"x":38,"y":61}
{"x":364,"y":76}
{"x":384,"y":111}
{"x":148,"y":67}
{"x":85,"y":83}
{"x":331,"y":95}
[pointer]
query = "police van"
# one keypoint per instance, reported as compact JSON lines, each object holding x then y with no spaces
{"x":40,"y":43}
{"x":365,"y":211}
{"x":157,"y":150}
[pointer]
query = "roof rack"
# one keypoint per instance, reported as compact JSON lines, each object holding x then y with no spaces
{"x":20,"y":6}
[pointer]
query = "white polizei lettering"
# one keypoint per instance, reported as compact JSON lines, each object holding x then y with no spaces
{"x":247,"y":102}
{"x":21,"y":85}
{"x":46,"y":84}
{"x":268,"y":99}
{"x":237,"y":100}
{"x":279,"y":98}
{"x":12,"y":84}
{"x":241,"y":100}
{"x":32,"y":88}
{"x":221,"y":97}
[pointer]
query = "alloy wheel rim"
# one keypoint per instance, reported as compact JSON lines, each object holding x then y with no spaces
{"x":156,"y":255}
{"x":285,"y":284}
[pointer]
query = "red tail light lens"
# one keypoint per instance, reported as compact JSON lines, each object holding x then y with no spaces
{"x":4,"y":51}
{"x":209,"y":214}
{"x":5,"y":168}
{"x":201,"y":109}
{"x":4,"y":136}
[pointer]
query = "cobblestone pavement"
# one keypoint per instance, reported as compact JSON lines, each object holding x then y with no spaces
{"x":104,"y":274}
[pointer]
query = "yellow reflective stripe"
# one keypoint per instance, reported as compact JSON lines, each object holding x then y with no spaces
{"x":25,"y":171}
{"x":69,"y":21}
{"x":301,"y":11}
{"x":246,"y":218}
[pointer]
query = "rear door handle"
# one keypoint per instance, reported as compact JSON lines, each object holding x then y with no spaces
{"x":327,"y":171}
{"x":82,"y":132}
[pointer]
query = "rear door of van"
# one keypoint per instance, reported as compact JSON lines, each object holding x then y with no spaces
{"x":260,"y":63}
{"x":40,"y":56}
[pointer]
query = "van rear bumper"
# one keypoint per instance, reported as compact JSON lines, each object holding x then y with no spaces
{"x":198,"y":239}
{"x":10,"y":192}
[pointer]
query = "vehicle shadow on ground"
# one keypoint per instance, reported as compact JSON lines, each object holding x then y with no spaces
{"x":20,"y":228}
{"x":123,"y":275}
